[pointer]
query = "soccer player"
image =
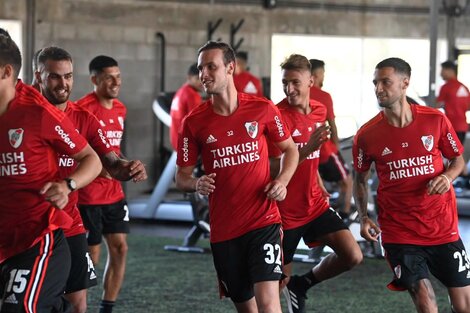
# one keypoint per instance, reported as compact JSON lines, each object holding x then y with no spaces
{"x":305,"y":211}
{"x":243,"y":79}
{"x":332,"y":166}
{"x":185,"y":99}
{"x":229,"y":131}
{"x":34,"y":255}
{"x":417,"y":205}
{"x":55,"y":78}
{"x":102,"y":204}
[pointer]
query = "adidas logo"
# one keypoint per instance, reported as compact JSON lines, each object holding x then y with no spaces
{"x":211,"y":139}
{"x":92,"y":274}
{"x":386,"y":151}
{"x":11,"y":299}
{"x":277,"y":269}
{"x":462,"y":92}
{"x":250,"y":88}
{"x":296,"y":133}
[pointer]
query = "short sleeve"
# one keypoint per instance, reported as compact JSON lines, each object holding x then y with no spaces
{"x":276,"y":130}
{"x":188,"y":149}
{"x":96,"y":135}
{"x":59,"y":131}
{"x":362,"y":161}
{"x":449,"y":143}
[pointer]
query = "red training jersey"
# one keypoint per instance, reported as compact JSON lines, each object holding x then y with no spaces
{"x":304,"y":201}
{"x":34,"y":132}
{"x":329,"y":147}
{"x":456,"y":99}
{"x":248,"y":83}
{"x":88,"y":126}
{"x":184,"y":101}
{"x":234,"y":147}
{"x":105,"y":190}
{"x":406,"y":159}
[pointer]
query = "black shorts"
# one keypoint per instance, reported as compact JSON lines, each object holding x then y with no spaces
{"x":105,"y":219}
{"x":82,"y":272}
{"x":449,"y":263}
{"x":253,"y":257}
{"x":461,"y":136}
{"x":334,"y":169}
{"x":34,"y":280}
{"x":327,"y":223}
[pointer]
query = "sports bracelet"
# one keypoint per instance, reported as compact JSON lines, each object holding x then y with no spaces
{"x":447,"y":178}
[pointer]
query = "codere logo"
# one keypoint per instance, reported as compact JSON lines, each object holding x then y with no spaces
{"x":64,"y":136}
{"x":185,"y":149}
{"x":452,"y":143}
{"x":280,"y":128}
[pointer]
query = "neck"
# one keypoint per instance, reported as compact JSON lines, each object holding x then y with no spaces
{"x":303,"y":108}
{"x":62,"y":106}
{"x":225,"y":103}
{"x":105,"y":102}
{"x":399,"y":114}
{"x":6,"y":97}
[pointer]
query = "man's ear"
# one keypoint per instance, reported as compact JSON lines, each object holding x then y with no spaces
{"x":7,"y":71}
{"x":37,"y":74}
{"x":231,"y":68}
{"x":94,"y":80}
{"x":406,"y":82}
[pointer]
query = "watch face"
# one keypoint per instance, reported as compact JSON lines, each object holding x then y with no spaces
{"x":71,"y":184}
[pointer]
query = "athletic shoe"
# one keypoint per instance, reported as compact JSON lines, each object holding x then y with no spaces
{"x":295,"y":296}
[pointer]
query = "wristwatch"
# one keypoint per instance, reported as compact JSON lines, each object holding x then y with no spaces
{"x":71,"y":184}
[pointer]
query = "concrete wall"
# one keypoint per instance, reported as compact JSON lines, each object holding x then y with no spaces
{"x":126,"y":30}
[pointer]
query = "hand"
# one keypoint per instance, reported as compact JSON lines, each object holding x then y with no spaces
{"x":276,"y":190}
{"x":439,"y":185}
{"x":205,"y":184}
{"x":137,"y":171}
{"x":319,"y":136}
{"x":56,"y":193}
{"x":369,"y":230}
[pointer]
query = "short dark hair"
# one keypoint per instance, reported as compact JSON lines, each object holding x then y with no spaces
{"x":228,"y":52}
{"x":101,"y":62}
{"x":4,"y":32}
{"x":10,"y":54}
{"x":242,"y":55}
{"x":449,"y":65}
{"x":296,"y":62}
{"x":192,"y":70}
{"x":399,"y":65}
{"x":316,"y":64}
{"x":54,"y":54}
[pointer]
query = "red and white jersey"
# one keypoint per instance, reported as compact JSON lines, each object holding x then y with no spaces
{"x":304,"y":201}
{"x":456,"y":99}
{"x":88,"y":126}
{"x":329,"y":147}
{"x":104,"y":190}
{"x":234,"y":147}
{"x":406,"y":159}
{"x":248,"y":83}
{"x":33,"y":132}
{"x":184,"y":101}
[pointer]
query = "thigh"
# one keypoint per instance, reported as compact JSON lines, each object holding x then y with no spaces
{"x":82,"y":271}
{"x":34,"y":281}
{"x":91,"y":216}
{"x":450,"y":264}
{"x":115,"y":218}
{"x":290,"y":241}
{"x":409,"y":265}
{"x":327,"y":223}
{"x":232,"y":270}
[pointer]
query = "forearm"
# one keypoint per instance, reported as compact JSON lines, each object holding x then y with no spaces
{"x":289,"y":163}
{"x":118,"y":169}
{"x":334,"y":132}
{"x":455,"y":168}
{"x":360,"y":193}
{"x":89,"y":167}
{"x":185,"y":181}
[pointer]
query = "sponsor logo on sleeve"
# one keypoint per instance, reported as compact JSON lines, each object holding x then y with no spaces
{"x":428,"y":142}
{"x":452,"y":142}
{"x":252,"y":129}
{"x":185,"y":149}
{"x":279,"y":125}
{"x":360,"y":157}
{"x":16,"y":137}
{"x":65,"y":136}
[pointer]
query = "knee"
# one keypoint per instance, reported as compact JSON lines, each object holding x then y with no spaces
{"x":461,"y":307}
{"x":80,"y":307}
{"x":119,"y":249}
{"x":354,"y":259}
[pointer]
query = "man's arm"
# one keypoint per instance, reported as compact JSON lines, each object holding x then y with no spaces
{"x":122,"y":169}
{"x":187,"y":182}
{"x":369,"y":230}
{"x":89,"y":166}
{"x":317,"y":138}
{"x":441,"y":183}
{"x":277,"y":188}
{"x":334,"y":132}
